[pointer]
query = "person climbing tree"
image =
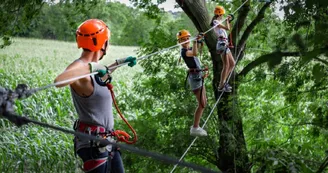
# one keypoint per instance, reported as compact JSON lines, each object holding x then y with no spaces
{"x":222,"y":47}
{"x":195,"y":78}
{"x":92,"y":101}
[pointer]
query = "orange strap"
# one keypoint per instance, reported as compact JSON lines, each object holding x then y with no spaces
{"x":230,"y":41}
{"x":120,"y":134}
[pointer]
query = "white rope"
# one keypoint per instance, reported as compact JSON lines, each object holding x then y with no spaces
{"x":165,"y":49}
{"x":64,"y":81}
{"x":219,"y":98}
{"x":116,"y":66}
{"x":168,"y":48}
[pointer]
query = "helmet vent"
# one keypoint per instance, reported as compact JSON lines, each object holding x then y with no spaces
{"x":94,"y":41}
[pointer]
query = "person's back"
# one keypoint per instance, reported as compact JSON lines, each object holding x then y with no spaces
{"x":94,"y":109}
{"x":191,"y":62}
{"x":92,"y":101}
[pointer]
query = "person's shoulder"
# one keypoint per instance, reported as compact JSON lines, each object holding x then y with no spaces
{"x":75,"y":64}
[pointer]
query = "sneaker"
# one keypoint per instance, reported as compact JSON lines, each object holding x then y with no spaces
{"x":225,"y":88}
{"x":198,"y":131}
{"x":228,"y":86}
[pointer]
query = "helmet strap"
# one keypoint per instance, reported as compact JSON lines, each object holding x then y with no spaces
{"x":104,"y":50}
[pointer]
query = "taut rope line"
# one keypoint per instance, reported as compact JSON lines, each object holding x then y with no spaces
{"x":219,"y":98}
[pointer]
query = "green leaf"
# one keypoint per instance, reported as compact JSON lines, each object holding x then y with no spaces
{"x":318,"y":72}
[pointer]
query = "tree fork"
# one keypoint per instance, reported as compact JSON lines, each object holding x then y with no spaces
{"x":232,"y":146}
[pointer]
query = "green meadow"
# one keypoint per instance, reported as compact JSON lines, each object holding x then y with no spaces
{"x":36,"y":63}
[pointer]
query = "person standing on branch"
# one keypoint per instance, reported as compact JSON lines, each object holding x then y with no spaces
{"x":222,"y":47}
{"x":195,"y":78}
{"x":92,"y":101}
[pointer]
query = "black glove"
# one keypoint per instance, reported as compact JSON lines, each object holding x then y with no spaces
{"x":200,"y":37}
{"x":232,"y":17}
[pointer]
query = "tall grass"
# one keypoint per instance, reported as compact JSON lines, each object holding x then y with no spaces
{"x":36,"y":63}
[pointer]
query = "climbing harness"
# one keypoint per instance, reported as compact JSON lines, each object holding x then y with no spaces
{"x":7,"y":98}
{"x":7,"y":111}
{"x":206,"y":73}
{"x":222,"y":45}
{"x":217,"y":101}
{"x":198,"y":72}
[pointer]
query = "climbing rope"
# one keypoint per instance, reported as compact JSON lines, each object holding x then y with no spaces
{"x":219,"y":98}
{"x":8,"y":96}
{"x":122,"y":138}
{"x":116,"y":66}
{"x":7,"y":110}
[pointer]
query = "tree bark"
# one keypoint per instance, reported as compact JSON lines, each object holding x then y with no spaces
{"x":249,"y":29}
{"x":240,"y":22}
{"x":232,"y":155}
{"x":265,"y":58}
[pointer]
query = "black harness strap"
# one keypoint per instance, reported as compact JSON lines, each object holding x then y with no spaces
{"x":203,"y":77}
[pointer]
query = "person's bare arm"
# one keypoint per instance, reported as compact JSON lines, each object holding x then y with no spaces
{"x":194,"y":51}
{"x":73,"y":70}
{"x":224,"y":27}
{"x":228,"y":22}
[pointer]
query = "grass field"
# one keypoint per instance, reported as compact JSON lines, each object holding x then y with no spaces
{"x":36,"y":63}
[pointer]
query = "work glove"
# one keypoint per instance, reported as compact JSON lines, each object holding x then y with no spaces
{"x":200,"y":37}
{"x":101,"y":69}
{"x":131,"y":61}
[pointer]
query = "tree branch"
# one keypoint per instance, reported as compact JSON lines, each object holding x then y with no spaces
{"x":240,"y":22}
{"x":250,"y":28}
{"x":323,"y":166}
{"x":265,"y":58}
{"x":307,"y":91}
{"x":198,"y":14}
{"x":321,"y":60}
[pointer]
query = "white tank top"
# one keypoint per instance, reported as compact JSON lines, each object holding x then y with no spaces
{"x":220,"y":32}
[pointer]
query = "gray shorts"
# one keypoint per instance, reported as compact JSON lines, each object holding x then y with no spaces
{"x":222,"y":46}
{"x":195,"y":80}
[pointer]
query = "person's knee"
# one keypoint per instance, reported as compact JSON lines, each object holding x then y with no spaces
{"x":204,"y":103}
{"x":232,"y":63}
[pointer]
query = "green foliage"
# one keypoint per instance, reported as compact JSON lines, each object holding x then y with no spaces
{"x":32,"y":148}
{"x":284,"y":124}
{"x":15,"y":15}
{"x":283,"y":106}
{"x":59,"y":20}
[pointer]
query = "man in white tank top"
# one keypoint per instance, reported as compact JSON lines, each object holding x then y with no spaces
{"x":93,"y":102}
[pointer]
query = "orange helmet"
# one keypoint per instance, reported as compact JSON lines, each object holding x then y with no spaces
{"x":219,"y":10}
{"x":92,"y":34}
{"x":182,"y":33}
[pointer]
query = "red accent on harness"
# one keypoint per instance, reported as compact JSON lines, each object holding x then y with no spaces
{"x":85,"y":127}
{"x":230,"y":41}
{"x":222,"y":38}
{"x":93,"y":164}
{"x":121,"y":135}
{"x":195,"y":70}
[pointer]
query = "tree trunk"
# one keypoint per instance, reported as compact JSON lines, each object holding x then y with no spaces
{"x":232,"y":155}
